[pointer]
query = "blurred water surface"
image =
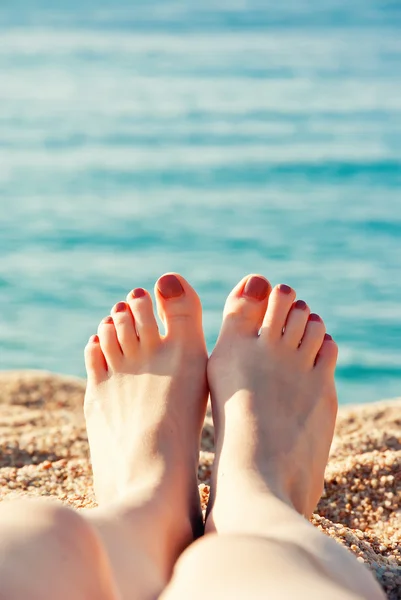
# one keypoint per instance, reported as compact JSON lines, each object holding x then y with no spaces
{"x":213,"y":140}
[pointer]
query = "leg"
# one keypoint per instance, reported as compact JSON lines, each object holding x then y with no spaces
{"x":145,"y":405}
{"x":274,"y":408}
{"x":49,"y":551}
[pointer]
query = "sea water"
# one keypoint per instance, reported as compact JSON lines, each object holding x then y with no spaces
{"x":214,"y":139}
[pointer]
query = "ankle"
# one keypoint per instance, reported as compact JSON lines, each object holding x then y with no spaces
{"x":247,"y":505}
{"x":166,"y":527}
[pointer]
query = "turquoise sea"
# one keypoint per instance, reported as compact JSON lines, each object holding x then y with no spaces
{"x":214,"y":139}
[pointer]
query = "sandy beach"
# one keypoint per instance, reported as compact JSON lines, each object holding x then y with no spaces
{"x":44,"y":452}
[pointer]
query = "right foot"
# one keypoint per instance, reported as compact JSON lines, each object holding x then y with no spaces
{"x":273,"y":398}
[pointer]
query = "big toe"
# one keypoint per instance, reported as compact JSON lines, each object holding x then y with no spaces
{"x":246,"y":306}
{"x":179,"y":306}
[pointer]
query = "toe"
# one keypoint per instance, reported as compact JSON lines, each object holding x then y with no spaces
{"x":178,"y":305}
{"x":312,"y":339}
{"x":246,"y":306}
{"x":141,"y":306}
{"x":125,"y":329}
{"x":280,"y":303}
{"x":96,"y":366}
{"x":327,"y":356}
{"x":296,"y":323}
{"x":109,"y":343}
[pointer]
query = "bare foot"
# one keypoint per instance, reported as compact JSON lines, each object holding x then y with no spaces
{"x":273,"y":398}
{"x":145,"y":405}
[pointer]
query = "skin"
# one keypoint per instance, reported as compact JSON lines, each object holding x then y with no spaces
{"x":274,"y":408}
{"x":145,"y":405}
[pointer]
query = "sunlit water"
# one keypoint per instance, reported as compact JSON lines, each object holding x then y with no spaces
{"x":215,"y":140}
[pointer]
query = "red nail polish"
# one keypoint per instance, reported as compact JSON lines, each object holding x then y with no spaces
{"x":120,"y":307}
{"x":257,"y":288}
{"x":108,"y":320}
{"x":285,"y":288}
{"x":327,"y":337}
{"x":300,"y":304}
{"x":94,"y":339}
{"x":138,"y":293}
{"x":170,"y":287}
{"x":314,"y":317}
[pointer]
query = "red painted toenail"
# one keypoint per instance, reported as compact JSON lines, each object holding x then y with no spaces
{"x":170,"y":287}
{"x":314,"y":317}
{"x":94,"y":339}
{"x":120,"y":307}
{"x":108,"y":320}
{"x":327,"y":337}
{"x":300,"y":304}
{"x":138,"y":293}
{"x":257,"y":288}
{"x":285,"y":288}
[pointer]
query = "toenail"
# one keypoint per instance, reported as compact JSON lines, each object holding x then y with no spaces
{"x":94,"y":339}
{"x":314,"y":317}
{"x":300,"y":304}
{"x":257,"y":288}
{"x":108,"y":320}
{"x":286,"y":289}
{"x":170,"y":287}
{"x":120,"y":307}
{"x":327,"y":337}
{"x":138,"y":293}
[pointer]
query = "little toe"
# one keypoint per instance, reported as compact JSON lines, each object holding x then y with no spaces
{"x":109,"y":343}
{"x":179,"y":306}
{"x":327,"y":356}
{"x":280,"y":303}
{"x":296,"y":323}
{"x":246,"y":306}
{"x":141,"y":306}
{"x":125,"y":329}
{"x":312,"y":339}
{"x":95,"y":363}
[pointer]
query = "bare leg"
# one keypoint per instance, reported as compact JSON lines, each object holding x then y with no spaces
{"x":49,"y":551}
{"x":274,"y":408}
{"x":145,"y":405}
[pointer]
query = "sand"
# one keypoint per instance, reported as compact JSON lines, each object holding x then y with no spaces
{"x":44,"y":452}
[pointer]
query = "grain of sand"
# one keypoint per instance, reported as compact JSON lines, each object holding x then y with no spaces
{"x":44,"y":452}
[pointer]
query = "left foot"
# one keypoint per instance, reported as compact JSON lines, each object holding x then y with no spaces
{"x":145,"y":405}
